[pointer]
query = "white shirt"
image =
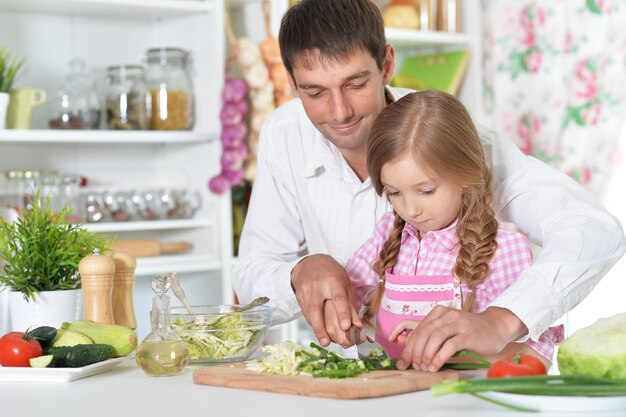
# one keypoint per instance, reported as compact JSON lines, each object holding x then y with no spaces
{"x":307,"y":200}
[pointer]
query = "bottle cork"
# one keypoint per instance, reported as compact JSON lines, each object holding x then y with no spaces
{"x":123,"y":283}
{"x":96,"y":274}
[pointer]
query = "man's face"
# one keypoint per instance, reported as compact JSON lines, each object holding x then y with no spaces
{"x":343,"y":99}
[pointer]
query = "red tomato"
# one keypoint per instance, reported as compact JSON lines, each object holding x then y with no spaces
{"x":517,"y":366}
{"x":16,"y":349}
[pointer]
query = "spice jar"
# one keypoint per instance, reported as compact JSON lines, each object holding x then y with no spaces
{"x":171,"y":89}
{"x":76,"y":105}
{"x":69,"y":197}
{"x":14,"y":190}
{"x":126,"y":98}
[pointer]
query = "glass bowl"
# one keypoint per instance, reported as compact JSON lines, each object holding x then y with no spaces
{"x":219,"y":333}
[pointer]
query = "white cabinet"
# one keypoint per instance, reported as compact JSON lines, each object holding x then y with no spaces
{"x":111,"y":32}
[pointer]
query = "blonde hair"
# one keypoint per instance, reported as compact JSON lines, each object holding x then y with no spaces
{"x":438,"y":131}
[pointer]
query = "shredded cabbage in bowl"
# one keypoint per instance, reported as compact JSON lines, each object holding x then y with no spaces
{"x":231,"y":339}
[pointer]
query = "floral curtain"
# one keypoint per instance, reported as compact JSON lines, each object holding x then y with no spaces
{"x":555,"y":81}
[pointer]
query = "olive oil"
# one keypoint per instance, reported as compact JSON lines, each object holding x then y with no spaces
{"x":162,"y":358}
{"x":162,"y":352}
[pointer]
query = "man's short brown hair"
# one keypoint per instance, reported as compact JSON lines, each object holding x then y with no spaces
{"x":322,"y":31}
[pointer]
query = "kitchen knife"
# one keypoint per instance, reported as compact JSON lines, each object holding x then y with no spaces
{"x":354,"y":336}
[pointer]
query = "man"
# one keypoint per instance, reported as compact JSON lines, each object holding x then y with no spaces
{"x":313,"y":204}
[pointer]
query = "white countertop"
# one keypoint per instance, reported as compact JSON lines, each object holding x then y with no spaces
{"x":127,"y":392}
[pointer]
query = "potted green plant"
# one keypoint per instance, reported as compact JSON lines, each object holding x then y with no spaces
{"x":9,"y":67}
{"x":41,"y":251}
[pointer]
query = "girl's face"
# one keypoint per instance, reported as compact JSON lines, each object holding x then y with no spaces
{"x":419,"y":196}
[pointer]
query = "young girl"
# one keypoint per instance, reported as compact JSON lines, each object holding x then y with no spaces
{"x":441,"y":244}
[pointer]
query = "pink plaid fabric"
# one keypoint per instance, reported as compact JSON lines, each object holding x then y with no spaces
{"x":436,"y":255}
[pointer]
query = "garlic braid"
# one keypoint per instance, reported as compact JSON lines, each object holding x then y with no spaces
{"x":386,"y":260}
{"x":477,"y":229}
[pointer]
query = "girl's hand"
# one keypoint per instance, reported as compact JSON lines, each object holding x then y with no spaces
{"x":401,"y":332}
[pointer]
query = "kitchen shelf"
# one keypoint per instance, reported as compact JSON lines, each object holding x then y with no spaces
{"x":104,"y":136}
{"x":136,"y":9}
{"x":50,"y":33}
{"x":406,"y":38}
{"x":239,"y":3}
{"x":138,"y":226}
{"x":176,"y":263}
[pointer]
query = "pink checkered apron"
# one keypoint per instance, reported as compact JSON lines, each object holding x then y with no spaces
{"x":412,"y":297}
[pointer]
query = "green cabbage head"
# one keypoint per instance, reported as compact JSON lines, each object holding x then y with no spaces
{"x":597,"y":350}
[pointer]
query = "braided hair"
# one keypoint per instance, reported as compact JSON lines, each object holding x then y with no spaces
{"x":436,"y":129}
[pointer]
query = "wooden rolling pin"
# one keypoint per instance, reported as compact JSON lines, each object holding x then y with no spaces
{"x":150,"y":247}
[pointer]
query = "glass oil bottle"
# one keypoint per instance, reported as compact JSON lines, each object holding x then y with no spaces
{"x":162,"y":352}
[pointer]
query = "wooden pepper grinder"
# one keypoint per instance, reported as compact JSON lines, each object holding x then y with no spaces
{"x":96,"y":274}
{"x":123,"y":283}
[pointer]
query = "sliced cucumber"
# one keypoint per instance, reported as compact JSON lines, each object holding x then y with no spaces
{"x":41,"y":361}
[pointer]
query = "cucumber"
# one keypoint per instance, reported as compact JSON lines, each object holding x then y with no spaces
{"x":44,"y":334}
{"x":41,"y":361}
{"x":122,"y":339}
{"x":79,"y":355}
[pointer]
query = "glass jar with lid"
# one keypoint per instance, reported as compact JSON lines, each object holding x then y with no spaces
{"x":14,"y":190}
{"x":126,"y":98}
{"x":171,"y":89}
{"x":76,"y":105}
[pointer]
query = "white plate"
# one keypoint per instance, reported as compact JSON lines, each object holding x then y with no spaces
{"x":10,"y":374}
{"x":561,"y":404}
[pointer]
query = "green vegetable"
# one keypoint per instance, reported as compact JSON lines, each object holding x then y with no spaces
{"x":228,"y":338}
{"x":70,"y":338}
{"x":559,"y":385}
{"x":597,"y":350}
{"x":41,"y":361}
{"x":122,"y":339}
{"x":324,"y":363}
{"x":480,"y":361}
{"x":288,"y":358}
{"x":45,"y":335}
{"x":80,"y":355}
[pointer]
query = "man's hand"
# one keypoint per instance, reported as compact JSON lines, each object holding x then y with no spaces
{"x":445,"y":331}
{"x":326,"y":298}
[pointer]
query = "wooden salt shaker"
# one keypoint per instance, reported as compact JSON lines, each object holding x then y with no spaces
{"x":123,"y":283}
{"x":96,"y":274}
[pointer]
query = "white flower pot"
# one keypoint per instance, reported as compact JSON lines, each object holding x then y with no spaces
{"x":4,"y":104}
{"x":52,"y":308}
{"x":5,"y":322}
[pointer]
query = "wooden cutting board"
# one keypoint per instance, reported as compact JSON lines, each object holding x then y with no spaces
{"x":367,"y":385}
{"x":140,"y":248}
